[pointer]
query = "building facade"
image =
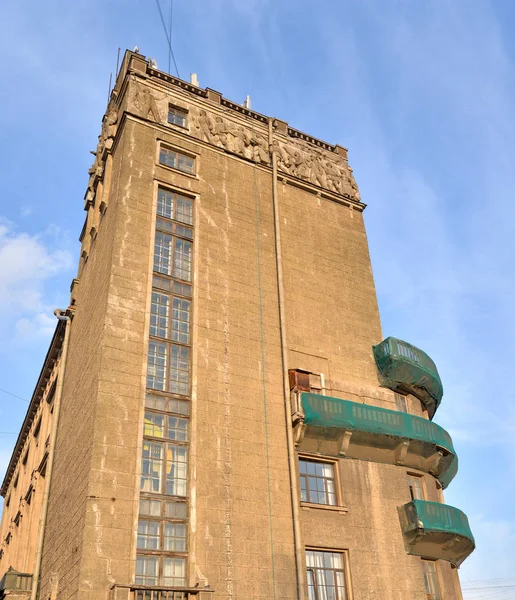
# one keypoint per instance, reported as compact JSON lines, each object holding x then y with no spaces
{"x":218,"y":414}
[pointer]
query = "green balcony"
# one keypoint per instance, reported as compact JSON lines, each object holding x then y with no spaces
{"x":343,"y":428}
{"x":406,"y":368}
{"x":435,"y":530}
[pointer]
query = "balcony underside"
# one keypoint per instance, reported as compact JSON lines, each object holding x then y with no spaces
{"x":407,"y":369}
{"x":343,"y":428}
{"x":436,"y":531}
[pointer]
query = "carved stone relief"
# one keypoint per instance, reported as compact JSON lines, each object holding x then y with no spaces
{"x":231,"y":137}
{"x":316,"y":166}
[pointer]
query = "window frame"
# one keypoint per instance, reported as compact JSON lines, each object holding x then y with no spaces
{"x":402,"y":400}
{"x":180,"y":152}
{"x":419,"y":477}
{"x":180,"y":109}
{"x":437,"y":580}
{"x":347,"y":579}
{"x":334,"y":462}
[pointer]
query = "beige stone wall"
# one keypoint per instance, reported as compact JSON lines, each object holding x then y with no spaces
{"x":19,"y":553}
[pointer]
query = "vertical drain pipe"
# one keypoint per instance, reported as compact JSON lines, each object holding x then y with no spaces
{"x":61,"y":316}
{"x":292,"y":462}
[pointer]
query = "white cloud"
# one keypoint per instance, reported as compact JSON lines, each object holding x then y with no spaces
{"x":27,"y":263}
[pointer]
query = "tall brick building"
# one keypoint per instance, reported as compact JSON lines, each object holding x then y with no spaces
{"x":218,"y":415}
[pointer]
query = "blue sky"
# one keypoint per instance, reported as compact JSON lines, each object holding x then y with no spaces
{"x":422,"y":93}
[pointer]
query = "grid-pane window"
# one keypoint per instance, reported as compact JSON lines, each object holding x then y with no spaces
{"x":163,"y":253}
{"x":174,"y":536}
{"x":317,"y":482}
{"x":150,"y":507}
{"x":179,"y":370}
{"x":152,"y":466}
{"x":148,"y":535}
{"x":156,"y":367}
{"x":176,"y":470}
{"x":401,"y":403}
{"x":159,"y":315}
{"x":174,"y":571}
{"x":165,"y":203}
{"x":176,"y":160}
{"x":177,"y":116}
{"x":154,"y":425}
{"x":184,"y":210}
{"x":182,"y":259}
{"x":181,"y":320}
{"x":431,"y":580}
{"x":416,"y":487}
{"x":147,"y":570}
{"x":326,"y":575}
{"x":177,"y":429}
{"x":175,"y":510}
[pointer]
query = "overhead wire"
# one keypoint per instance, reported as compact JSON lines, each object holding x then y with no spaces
{"x":168,"y":37}
{"x":14,"y":396}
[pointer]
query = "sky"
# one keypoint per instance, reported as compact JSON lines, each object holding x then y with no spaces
{"x":423,"y":95}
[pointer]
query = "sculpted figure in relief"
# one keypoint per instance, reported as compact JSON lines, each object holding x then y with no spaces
{"x":231,"y":137}
{"x":317,"y":167}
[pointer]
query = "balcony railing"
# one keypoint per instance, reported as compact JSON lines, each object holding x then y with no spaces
{"x":151,"y":592}
{"x":406,"y":368}
{"x":344,"y":428}
{"x":436,"y":531}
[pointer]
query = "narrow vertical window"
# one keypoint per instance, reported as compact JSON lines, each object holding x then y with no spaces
{"x":163,"y":511}
{"x":416,"y":487}
{"x":176,"y":470}
{"x":159,"y":315}
{"x":326,"y":575}
{"x":401,"y":403}
{"x":431,"y":580}
{"x":163,"y":253}
{"x":156,"y":369}
{"x":181,"y":321}
{"x":152,"y":467}
{"x":179,"y":370}
{"x":182,"y":259}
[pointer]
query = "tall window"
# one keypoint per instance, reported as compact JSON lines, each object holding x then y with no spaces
{"x":416,"y":487}
{"x":162,"y":541}
{"x":401,"y":402}
{"x":317,"y":482}
{"x":431,"y":580}
{"x":176,"y":160}
{"x":326,"y":575}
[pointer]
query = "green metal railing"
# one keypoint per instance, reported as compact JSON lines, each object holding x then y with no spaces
{"x":403,"y":366}
{"x":420,"y":519}
{"x":327,"y":412}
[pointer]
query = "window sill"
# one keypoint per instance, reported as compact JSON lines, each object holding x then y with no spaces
{"x":342,"y":510}
{"x":175,"y":170}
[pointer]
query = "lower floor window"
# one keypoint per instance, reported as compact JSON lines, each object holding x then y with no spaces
{"x":431,"y":580}
{"x":326,"y":575}
{"x":160,"y":570}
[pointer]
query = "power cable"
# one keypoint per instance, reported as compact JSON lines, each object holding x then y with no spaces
{"x":168,"y":39}
{"x":14,"y":395}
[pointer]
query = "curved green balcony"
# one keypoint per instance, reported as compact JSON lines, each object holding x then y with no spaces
{"x":406,"y":368}
{"x":343,"y":428}
{"x":435,"y":530}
